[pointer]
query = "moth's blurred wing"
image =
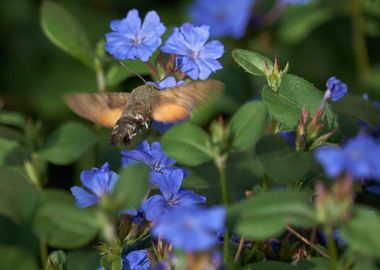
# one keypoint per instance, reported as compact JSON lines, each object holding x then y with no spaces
{"x":176,"y":103}
{"x":103,"y":109}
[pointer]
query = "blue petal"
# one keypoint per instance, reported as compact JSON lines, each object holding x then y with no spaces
{"x":152,"y":28}
{"x":213,"y":49}
{"x":214,"y":218}
{"x":169,"y":182}
{"x":332,"y":160}
{"x":153,"y":207}
{"x":83,"y":198}
{"x":188,"y":197}
{"x":136,"y":260}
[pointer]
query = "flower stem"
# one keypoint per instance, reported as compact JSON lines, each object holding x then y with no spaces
{"x":239,"y":250}
{"x":221,"y":165}
{"x":332,"y":248}
{"x":359,"y":42}
{"x":43,"y":253}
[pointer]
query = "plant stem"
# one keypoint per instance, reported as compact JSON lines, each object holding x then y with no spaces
{"x":332,"y":248}
{"x":359,"y":42}
{"x":239,"y":250}
{"x":100,"y":76}
{"x":43,"y":253}
{"x":307,"y":242}
{"x":221,"y":165}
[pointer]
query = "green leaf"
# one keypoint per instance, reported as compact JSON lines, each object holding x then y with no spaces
{"x":117,"y":73}
{"x":187,"y":144}
{"x":295,"y":94}
{"x":314,"y":264}
{"x":358,"y":108}
{"x":13,"y":119}
{"x":280,"y":161}
{"x":66,"y":32}
{"x":132,"y":185}
{"x":247,"y":124}
{"x":15,"y":258}
{"x":266,"y":215}
{"x":11,"y":134}
{"x":67,"y":143}
{"x":56,"y":261}
{"x":64,"y":225}
{"x":18,"y":197}
{"x":12,"y":153}
{"x":56,"y":195}
{"x":83,"y":259}
{"x":359,"y":232}
{"x":270,"y":265}
{"x":299,"y":20}
{"x":252,"y":62}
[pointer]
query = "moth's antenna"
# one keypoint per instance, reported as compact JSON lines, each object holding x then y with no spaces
{"x":131,"y":70}
{"x":171,"y":73}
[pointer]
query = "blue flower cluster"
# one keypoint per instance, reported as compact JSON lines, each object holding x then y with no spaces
{"x":132,"y":39}
{"x":175,"y":213}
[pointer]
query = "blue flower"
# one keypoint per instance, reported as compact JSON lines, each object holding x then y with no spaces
{"x":191,"y":228}
{"x":358,"y":158}
{"x":289,"y":136}
{"x":336,"y":89}
{"x":137,"y":216}
{"x":196,"y":57}
{"x":225,"y":18}
{"x":136,"y":260}
{"x":373,"y":187}
{"x":97,"y":183}
{"x":133,"y":40}
{"x":169,"y":183}
{"x":152,"y":155}
{"x":168,"y":82}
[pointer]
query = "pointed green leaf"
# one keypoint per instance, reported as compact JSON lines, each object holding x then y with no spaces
{"x":247,"y":124}
{"x":295,"y":94}
{"x":63,"y":225}
{"x":252,"y":62}
{"x":66,"y":32}
{"x":133,"y":183}
{"x":67,"y":143}
{"x":280,"y":161}
{"x":18,"y":197}
{"x":187,"y":144}
{"x":266,"y":215}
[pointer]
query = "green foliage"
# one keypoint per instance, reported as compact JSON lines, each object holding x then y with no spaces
{"x":187,"y":144}
{"x":252,"y":62}
{"x":15,"y":258}
{"x":357,"y":108}
{"x":64,"y":225}
{"x":83,"y":259}
{"x":270,"y":265}
{"x":18,"y":197}
{"x":280,"y":161}
{"x":12,"y":152}
{"x":132,"y":185}
{"x":265,"y":215}
{"x":117,"y":73}
{"x":295,"y":93}
{"x":66,"y":32}
{"x":247,"y":125}
{"x":360,"y":231}
{"x":67,"y":143}
{"x":56,"y":261}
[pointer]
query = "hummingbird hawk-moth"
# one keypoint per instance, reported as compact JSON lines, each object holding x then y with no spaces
{"x":128,"y":113}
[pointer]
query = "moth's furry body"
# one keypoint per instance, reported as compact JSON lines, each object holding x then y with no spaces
{"x":136,"y":115}
{"x":128,"y":113}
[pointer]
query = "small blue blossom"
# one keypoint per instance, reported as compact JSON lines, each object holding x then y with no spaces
{"x":96,"y":183}
{"x":275,"y":245}
{"x":336,"y":89}
{"x":197,"y":58}
{"x":133,"y":40}
{"x":169,"y":183}
{"x":168,"y":82}
{"x":358,"y":157}
{"x":225,"y":18}
{"x":136,"y":260}
{"x":191,"y":228}
{"x":137,"y":216}
{"x":151,"y":154}
{"x":289,"y":136}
